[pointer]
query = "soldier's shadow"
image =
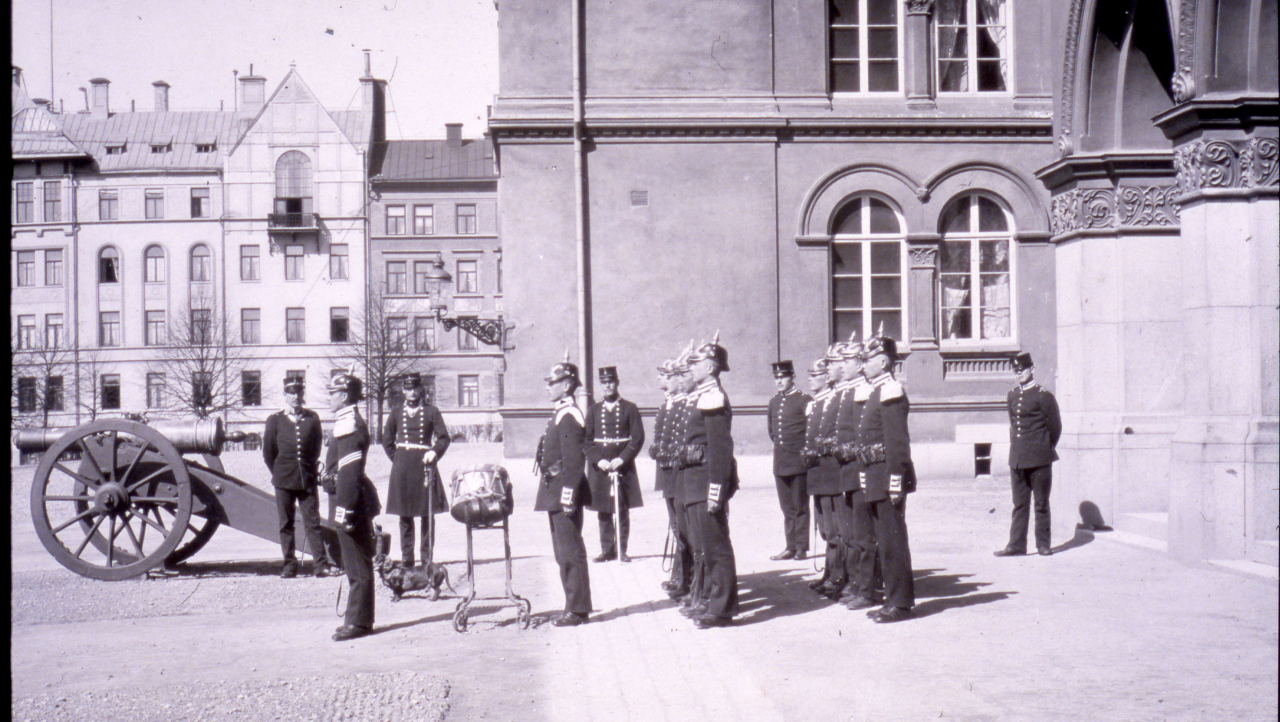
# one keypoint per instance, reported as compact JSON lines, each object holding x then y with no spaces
{"x":256,"y":568}
{"x":775,"y":593}
{"x":950,"y":591}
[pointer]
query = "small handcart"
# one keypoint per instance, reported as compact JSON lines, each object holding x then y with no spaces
{"x":482,"y":500}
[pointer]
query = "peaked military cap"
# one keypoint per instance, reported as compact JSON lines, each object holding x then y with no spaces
{"x":412,"y":380}
{"x":783,"y":369}
{"x":608,"y":373}
{"x":1022,"y":361}
{"x":294,"y":384}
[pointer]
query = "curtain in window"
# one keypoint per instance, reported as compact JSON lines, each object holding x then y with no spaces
{"x":956,"y":309}
{"x":950,"y":19}
{"x":293,"y":175}
{"x":993,"y":50}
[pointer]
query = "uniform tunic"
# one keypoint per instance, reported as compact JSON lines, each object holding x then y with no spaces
{"x":561,"y":464}
{"x":790,"y":469}
{"x":1034,"y":429}
{"x":859,"y":531}
{"x":708,"y":472}
{"x":409,"y":434}
{"x":357,"y":504}
{"x":882,"y":431}
{"x":666,"y":428}
{"x":291,"y":448}
{"x":613,"y":431}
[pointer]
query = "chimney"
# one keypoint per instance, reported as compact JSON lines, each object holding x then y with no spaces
{"x":373,"y":105}
{"x":162,"y":96}
{"x":99,"y":101}
{"x":42,"y":103}
{"x":253,"y":92}
{"x":453,"y":135}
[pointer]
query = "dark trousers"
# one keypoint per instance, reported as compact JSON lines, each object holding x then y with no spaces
{"x":697,"y":568}
{"x":406,"y":540}
{"x":720,"y":569}
{"x":682,"y":555}
{"x":357,"y":561}
{"x":793,"y":498}
{"x":1027,"y":482}
{"x":895,"y":553}
{"x":308,"y":502}
{"x":862,"y":556}
{"x":571,"y":556}
{"x":829,"y":525}
{"x":608,"y":540}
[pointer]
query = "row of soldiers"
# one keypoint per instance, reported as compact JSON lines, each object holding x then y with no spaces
{"x":848,"y":447}
{"x":588,"y":463}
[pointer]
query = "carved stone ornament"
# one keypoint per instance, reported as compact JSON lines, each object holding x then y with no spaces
{"x":1184,"y":82}
{"x":924,"y":256}
{"x":1065,"y":145}
{"x":1226,"y":164}
{"x":1104,"y":208}
{"x":919,"y":7}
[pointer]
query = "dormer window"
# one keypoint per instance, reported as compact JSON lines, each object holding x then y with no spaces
{"x":206,"y":147}
{"x":117,"y":148}
{"x":160,"y":148}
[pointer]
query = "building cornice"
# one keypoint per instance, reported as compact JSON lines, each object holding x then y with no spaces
{"x":1236,"y":113}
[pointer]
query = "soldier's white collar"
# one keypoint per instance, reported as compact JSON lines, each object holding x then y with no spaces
{"x":710,"y":383}
{"x":881,"y":379}
{"x":347,"y":411}
{"x":611,"y":405}
{"x":1028,"y":386}
{"x":566,"y":401}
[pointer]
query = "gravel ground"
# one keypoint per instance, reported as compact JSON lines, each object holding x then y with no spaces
{"x":389,"y":697}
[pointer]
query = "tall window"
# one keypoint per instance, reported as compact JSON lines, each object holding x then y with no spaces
{"x":398,"y":333}
{"x":250,"y":326}
{"x":424,"y":333}
{"x":155,"y":328}
{"x":864,"y":46}
{"x":498,"y":263}
{"x":155,"y":203}
{"x":295,"y":325}
{"x":109,"y":328}
{"x":251,"y":388}
{"x":201,"y":264}
{"x":202,"y":388}
{"x":396,"y":271}
{"x":866,"y":263}
{"x":200,"y":207}
{"x":468,"y":280}
{"x":154,"y":264}
{"x":110,"y":391}
{"x":466,"y":218}
{"x":339,"y":257}
{"x":466,"y":342}
{"x":339,"y":320}
{"x":421,"y":279}
{"x":974,"y":271}
{"x":424,"y":220}
{"x":108,"y":205}
{"x":53,"y":268}
{"x":468,"y":391}
{"x":972,"y":45}
{"x":109,"y":265}
{"x":201,"y":326}
{"x":54,"y":399}
{"x":250,"y":263}
{"x":293,"y":186}
{"x":293,"y":259}
{"x":26,"y":268}
{"x":395,"y":220}
{"x":27,"y":395}
{"x":27,"y":332}
{"x":155,"y":391}
{"x":52,"y":201}
{"x":26,"y":208}
{"x":53,"y":333}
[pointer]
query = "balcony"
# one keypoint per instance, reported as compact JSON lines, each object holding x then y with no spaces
{"x":291,"y":221}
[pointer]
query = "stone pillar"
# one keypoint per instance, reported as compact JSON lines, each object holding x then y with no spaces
{"x":922,"y":325}
{"x":917,"y":65}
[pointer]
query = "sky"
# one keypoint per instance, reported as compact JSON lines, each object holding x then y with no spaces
{"x":439,"y":56}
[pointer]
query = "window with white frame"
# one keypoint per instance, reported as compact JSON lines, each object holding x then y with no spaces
{"x":424,"y":220}
{"x":200,"y":207}
{"x":54,"y":398}
{"x":395,"y":220}
{"x":155,"y":390}
{"x":293,"y":262}
{"x":867,"y":266}
{"x":971,"y":45}
{"x":26,"y":268}
{"x":155,"y":328}
{"x":109,"y":265}
{"x":468,"y":391}
{"x":27,"y":395}
{"x":466,"y":218}
{"x":295,"y":325}
{"x":52,"y":201}
{"x":26,"y":333}
{"x":396,"y":272}
{"x":53,"y":268}
{"x":339,"y":324}
{"x":398,"y":333}
{"x":24,"y":195}
{"x":424,"y":333}
{"x":250,"y":263}
{"x":201,"y":326}
{"x":108,"y":205}
{"x":153,"y":265}
{"x":866,"y":44}
{"x":468,"y":280}
{"x":422,"y":277}
{"x":466,"y":341}
{"x":201,"y":264}
{"x":154,"y":203}
{"x":974,"y":272}
{"x":250,"y":326}
{"x":53,"y":330}
{"x":110,"y":391}
{"x":109,"y":329}
{"x":339,"y":261}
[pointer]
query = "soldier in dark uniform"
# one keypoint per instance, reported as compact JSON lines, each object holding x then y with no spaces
{"x":564,"y":492}
{"x":291,"y":447}
{"x":790,"y":470}
{"x":415,"y":438}
{"x":614,"y":435}
{"x":1034,"y":429}
{"x":709,"y":478}
{"x":857,"y":529}
{"x":668,"y":431}
{"x":356,"y":501}
{"x":825,"y":488}
{"x":888,"y":475}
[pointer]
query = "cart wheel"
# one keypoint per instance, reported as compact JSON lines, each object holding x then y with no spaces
{"x":525,"y":609}
{"x":460,"y":620}
{"x":129,"y":498}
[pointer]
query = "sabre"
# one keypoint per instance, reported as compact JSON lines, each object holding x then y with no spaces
{"x":429,"y":472}
{"x":617,"y":511}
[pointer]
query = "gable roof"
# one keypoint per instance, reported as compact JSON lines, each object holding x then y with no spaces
{"x":35,"y":133}
{"x":428,"y":160}
{"x":346,"y":124}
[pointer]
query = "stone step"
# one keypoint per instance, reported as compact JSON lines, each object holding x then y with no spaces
{"x":1266,"y":552}
{"x":1137,"y":540}
{"x":1253,"y":569}
{"x":1152,"y":524}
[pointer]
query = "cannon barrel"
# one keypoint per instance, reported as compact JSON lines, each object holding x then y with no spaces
{"x":202,"y":436}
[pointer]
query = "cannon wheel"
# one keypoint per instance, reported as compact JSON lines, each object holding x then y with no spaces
{"x":201,"y":526}
{"x":134,"y":515}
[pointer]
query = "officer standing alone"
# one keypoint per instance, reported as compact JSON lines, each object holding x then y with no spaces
{"x":1034,"y":429}
{"x":790,"y":470}
{"x":614,"y":435}
{"x":291,"y":448}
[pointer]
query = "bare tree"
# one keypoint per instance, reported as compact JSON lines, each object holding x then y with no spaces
{"x":90,"y":370}
{"x":40,"y":370}
{"x":200,"y":362}
{"x":382,"y":348}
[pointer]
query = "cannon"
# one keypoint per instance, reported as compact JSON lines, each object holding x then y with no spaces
{"x":116,"y":498}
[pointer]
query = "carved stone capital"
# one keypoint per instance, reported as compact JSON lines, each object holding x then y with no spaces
{"x":1227,"y":164}
{"x":1106,"y":208}
{"x":924,"y":257}
{"x":919,"y":7}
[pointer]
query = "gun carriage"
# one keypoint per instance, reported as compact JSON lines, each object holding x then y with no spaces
{"x":116,"y":498}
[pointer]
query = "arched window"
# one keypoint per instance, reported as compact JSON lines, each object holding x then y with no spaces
{"x":201,"y":264}
{"x":867,"y":269}
{"x":293,"y":187}
{"x":109,"y":265}
{"x":154,"y":264}
{"x":974,"y":271}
